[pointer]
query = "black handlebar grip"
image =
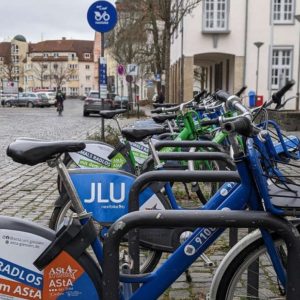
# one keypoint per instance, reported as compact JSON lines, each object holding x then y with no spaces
{"x":210,"y":122}
{"x":221,"y":96}
{"x":241,"y":91}
{"x":276,"y":97}
{"x":241,"y":126}
{"x":200,"y":95}
{"x":157,"y":111}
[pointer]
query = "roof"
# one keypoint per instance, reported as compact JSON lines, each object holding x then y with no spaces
{"x":78,"y":46}
{"x":5,"y":50}
{"x":20,"y":38}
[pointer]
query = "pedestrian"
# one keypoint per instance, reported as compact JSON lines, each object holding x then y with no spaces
{"x":160,"y":97}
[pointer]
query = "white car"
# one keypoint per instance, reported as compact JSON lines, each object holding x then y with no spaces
{"x":50,"y":96}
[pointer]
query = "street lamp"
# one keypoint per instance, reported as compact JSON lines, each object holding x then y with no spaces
{"x":258,"y":45}
{"x":297,"y":17}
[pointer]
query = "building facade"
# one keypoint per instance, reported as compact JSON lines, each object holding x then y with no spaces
{"x":68,"y":64}
{"x":219,"y":44}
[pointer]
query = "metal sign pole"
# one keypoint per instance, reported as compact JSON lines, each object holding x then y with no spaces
{"x":102,"y":17}
{"x":102,"y":99}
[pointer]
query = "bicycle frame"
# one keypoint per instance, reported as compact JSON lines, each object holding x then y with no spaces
{"x":230,"y":197}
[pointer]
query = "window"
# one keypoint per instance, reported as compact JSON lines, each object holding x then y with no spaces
{"x":14,"y":49}
{"x":87,"y":67}
{"x":16,"y":70}
{"x":73,"y":77}
{"x":72,"y":66}
{"x":281,"y":67}
{"x":87,"y":90}
{"x":45,"y":55}
{"x":74,"y":91}
{"x":45,"y":66}
{"x":87,"y":55}
{"x":88,"y":78}
{"x":15,"y":59}
{"x":72,"y":56}
{"x":56,"y":55}
{"x":1,"y":59}
{"x":283,"y":11}
{"x":215,"y":15}
{"x":55,"y":66}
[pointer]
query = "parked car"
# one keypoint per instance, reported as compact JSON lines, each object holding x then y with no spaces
{"x":5,"y":97}
{"x":120,"y":102}
{"x":28,"y":99}
{"x":50,"y":96}
{"x":93,"y":104}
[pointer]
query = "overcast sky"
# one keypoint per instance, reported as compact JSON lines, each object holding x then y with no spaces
{"x":47,"y":19}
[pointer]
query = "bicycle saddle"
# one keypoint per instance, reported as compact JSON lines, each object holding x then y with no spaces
{"x":163,"y":118}
{"x":138,"y":134}
{"x":32,"y":152}
{"x":156,"y":105}
{"x":109,"y":114}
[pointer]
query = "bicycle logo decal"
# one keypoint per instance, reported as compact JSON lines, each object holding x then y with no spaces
{"x":101,"y":18}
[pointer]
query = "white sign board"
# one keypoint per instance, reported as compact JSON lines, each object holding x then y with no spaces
{"x":10,"y":87}
{"x":103,"y":91}
{"x":132,"y":69}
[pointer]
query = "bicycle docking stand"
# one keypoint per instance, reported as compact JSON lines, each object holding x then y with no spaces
{"x":193,"y":218}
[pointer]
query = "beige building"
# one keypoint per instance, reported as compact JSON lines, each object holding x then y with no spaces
{"x":217,"y":44}
{"x":12,"y":55}
{"x":68,"y":64}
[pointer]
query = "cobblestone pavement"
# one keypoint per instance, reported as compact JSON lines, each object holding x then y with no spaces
{"x":29,"y":192}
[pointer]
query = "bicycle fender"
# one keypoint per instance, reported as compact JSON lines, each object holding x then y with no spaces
{"x":21,"y":242}
{"x":232,"y":254}
{"x":229,"y":257}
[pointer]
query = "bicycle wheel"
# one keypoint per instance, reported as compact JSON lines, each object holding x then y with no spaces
{"x":149,"y":258}
{"x":253,"y":264}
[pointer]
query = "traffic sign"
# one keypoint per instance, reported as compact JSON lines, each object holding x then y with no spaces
{"x":103,"y":71}
{"x":121,"y":70}
{"x":102,"y":16}
{"x":103,"y":77}
{"x":129,"y":78}
{"x":132,"y":69}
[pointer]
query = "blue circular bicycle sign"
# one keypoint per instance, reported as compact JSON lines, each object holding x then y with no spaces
{"x":102,"y":16}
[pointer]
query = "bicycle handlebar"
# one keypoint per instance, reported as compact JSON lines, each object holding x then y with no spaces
{"x":241,"y":91}
{"x":210,"y":122}
{"x":221,"y":96}
{"x":276,"y":97}
{"x":242,"y":126}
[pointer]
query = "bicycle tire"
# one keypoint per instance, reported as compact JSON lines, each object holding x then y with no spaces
{"x":59,"y":213}
{"x":235,"y":275}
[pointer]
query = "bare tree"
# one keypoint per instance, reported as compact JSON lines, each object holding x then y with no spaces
{"x":129,"y":42}
{"x":9,"y":70}
{"x":171,"y":13}
{"x":40,"y":72}
{"x":62,"y":73}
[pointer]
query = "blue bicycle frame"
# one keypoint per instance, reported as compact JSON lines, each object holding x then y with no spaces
{"x":231,"y":196}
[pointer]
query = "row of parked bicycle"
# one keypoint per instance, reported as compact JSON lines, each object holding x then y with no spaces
{"x":123,"y":202}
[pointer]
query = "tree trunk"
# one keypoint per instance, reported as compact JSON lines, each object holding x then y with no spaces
{"x":167,"y":65}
